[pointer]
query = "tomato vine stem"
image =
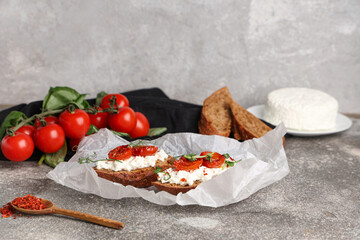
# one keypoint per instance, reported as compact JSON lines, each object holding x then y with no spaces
{"x":40,"y":115}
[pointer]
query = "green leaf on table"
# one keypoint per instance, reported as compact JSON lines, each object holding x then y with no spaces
{"x":92,"y":130}
{"x":60,"y":97}
{"x":99,"y":97}
{"x":53,"y":159}
{"x":156,"y":131}
{"x":11,"y":120}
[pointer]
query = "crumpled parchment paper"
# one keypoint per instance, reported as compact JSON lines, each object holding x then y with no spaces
{"x":263,"y":163}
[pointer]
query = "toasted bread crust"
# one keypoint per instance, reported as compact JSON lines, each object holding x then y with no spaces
{"x":245,"y":125}
{"x":215,"y":116}
{"x":138,"y":178}
{"x":174,"y":189}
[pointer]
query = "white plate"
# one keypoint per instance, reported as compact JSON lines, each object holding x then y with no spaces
{"x":342,"y":123}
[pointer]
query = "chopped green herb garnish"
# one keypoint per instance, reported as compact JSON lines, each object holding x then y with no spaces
{"x":157,"y":170}
{"x":191,"y":157}
{"x":167,"y":176}
{"x":231,"y":163}
{"x":209,"y":156}
{"x":89,"y":159}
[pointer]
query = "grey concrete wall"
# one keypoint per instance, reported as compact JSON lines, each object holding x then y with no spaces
{"x":187,"y":48}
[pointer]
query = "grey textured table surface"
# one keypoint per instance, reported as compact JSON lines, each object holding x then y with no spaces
{"x":319,"y":199}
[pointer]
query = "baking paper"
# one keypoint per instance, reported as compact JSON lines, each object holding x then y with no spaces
{"x":263,"y":163}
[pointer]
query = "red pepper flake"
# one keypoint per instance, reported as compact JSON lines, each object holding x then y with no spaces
{"x":29,"y":202}
{"x":7,"y":211}
{"x":183,"y":180}
{"x":205,"y":174}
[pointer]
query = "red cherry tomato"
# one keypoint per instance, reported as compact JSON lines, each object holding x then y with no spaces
{"x":187,"y":165}
{"x":27,"y":129}
{"x":142,"y":126}
{"x":75,"y":124}
{"x":121,"y":100}
{"x":18,"y":147}
{"x":123,"y":121}
{"x":50,"y":138}
{"x":216,"y":161}
{"x":100,"y":119}
{"x":120,"y":153}
{"x":49,"y":120}
{"x":143,"y":150}
{"x":74,"y":143}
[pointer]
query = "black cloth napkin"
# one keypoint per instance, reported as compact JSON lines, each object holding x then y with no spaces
{"x":161,"y":111}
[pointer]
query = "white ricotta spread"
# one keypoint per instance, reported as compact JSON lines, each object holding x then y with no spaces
{"x":132,"y":163}
{"x":189,"y":177}
{"x":301,"y":109}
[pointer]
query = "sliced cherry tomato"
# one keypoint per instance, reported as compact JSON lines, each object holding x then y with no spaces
{"x":216,"y":160}
{"x":123,"y":121}
{"x":121,"y":100}
{"x":142,"y":126}
{"x":18,"y":147}
{"x":74,"y":143}
{"x":187,"y":165}
{"x":27,"y":129}
{"x":75,"y":124}
{"x":143,"y":150}
{"x":120,"y":153}
{"x":49,"y":120}
{"x":50,"y":138}
{"x":100,"y":119}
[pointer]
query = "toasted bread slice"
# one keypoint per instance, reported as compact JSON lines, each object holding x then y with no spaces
{"x":173,"y":188}
{"x":215,"y":116}
{"x":245,"y":125}
{"x":142,"y":177}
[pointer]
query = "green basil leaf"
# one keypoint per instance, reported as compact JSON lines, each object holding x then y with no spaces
{"x":156,"y":131}
{"x":92,"y":130}
{"x":99,"y":97}
{"x":53,"y":159}
{"x":120,"y":134}
{"x":11,"y":120}
{"x":60,"y":97}
{"x":80,"y":102}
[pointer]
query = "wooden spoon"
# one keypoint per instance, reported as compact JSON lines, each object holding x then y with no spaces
{"x":52,"y":209}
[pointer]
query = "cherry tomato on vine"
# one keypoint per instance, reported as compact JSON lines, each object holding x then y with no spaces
{"x":143,"y":150}
{"x":75,"y":124}
{"x":123,"y":121}
{"x":216,"y":160}
{"x":100,"y":119}
{"x":49,"y":120}
{"x":187,"y":165}
{"x":27,"y":129}
{"x":17,"y":148}
{"x":142,"y":126}
{"x":50,"y":138}
{"x":120,"y":153}
{"x":121,"y":100}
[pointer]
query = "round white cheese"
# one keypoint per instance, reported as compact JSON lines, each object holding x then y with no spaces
{"x":301,"y":109}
